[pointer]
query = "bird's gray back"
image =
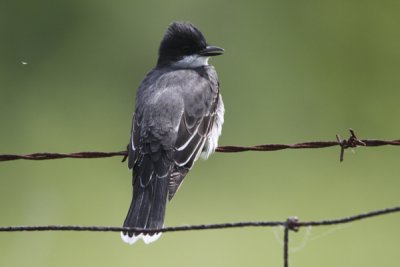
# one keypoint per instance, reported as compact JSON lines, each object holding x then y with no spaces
{"x":165,"y":95}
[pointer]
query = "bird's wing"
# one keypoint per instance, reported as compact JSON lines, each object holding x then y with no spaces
{"x":154,"y":131}
{"x":133,"y":152}
{"x":192,"y":134}
{"x":194,"y":129}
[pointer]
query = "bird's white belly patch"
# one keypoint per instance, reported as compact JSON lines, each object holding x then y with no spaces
{"x":212,"y":140}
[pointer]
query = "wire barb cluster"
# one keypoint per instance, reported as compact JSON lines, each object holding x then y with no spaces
{"x":351,"y":142}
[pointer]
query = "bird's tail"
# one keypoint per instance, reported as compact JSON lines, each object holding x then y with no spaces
{"x":147,"y":209}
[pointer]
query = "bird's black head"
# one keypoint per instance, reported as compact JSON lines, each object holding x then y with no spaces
{"x":185,"y":46}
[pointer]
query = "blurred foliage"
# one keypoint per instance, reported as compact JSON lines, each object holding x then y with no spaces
{"x":293,"y":71}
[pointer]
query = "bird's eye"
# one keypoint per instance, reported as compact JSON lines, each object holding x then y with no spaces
{"x":186,"y":49}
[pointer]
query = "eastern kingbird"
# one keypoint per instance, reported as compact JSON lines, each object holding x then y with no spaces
{"x":178,"y":117}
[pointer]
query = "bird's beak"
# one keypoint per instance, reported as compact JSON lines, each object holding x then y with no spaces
{"x":210,"y":51}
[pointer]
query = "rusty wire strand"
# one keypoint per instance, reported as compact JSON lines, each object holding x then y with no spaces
{"x":352,"y":142}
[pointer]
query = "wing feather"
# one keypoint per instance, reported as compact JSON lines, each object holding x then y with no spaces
{"x":190,"y":143}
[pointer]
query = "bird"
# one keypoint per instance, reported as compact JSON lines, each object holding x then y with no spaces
{"x":178,"y":117}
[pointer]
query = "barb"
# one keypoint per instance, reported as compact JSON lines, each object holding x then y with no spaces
{"x":352,"y":141}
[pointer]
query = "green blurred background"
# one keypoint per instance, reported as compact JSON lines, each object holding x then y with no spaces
{"x":293,"y":71}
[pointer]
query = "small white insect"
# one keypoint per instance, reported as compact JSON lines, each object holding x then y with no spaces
{"x":24,"y":63}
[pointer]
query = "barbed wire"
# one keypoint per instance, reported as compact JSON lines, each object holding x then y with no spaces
{"x":351,"y":142}
{"x":291,"y":224}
